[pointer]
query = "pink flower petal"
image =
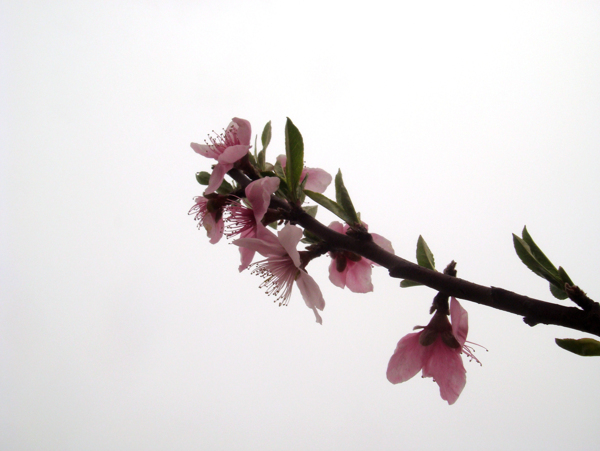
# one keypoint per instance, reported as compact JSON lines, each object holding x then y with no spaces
{"x":358,"y":276}
{"x":214,"y":230}
{"x":337,"y":226}
{"x":407,"y":360}
{"x":383,"y":243}
{"x":446,"y":367}
{"x":317,"y":316}
{"x":246,"y":256}
{"x":318,"y":179}
{"x":259,"y":195}
{"x":233,"y":154}
{"x":244,"y":131}
{"x":265,"y":244}
{"x":217,"y":176}
{"x":460,"y":321}
{"x":205,"y":151}
{"x":289,"y":237}
{"x":337,"y":278}
{"x":311,"y":293}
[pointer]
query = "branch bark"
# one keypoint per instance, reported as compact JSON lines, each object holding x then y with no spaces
{"x":533,"y":311}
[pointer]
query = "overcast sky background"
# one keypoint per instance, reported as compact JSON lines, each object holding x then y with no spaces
{"x":121,"y":327}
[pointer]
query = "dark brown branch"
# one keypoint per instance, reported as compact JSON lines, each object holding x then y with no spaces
{"x":533,"y":311}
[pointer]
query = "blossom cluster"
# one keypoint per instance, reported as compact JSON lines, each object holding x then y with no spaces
{"x":258,"y":211}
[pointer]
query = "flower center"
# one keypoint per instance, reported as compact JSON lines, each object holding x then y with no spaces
{"x":279,"y":274}
{"x":220,"y":142}
{"x":439,"y":326}
{"x":341,"y":259}
{"x":241,"y":221}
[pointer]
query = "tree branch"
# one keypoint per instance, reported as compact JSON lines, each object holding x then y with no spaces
{"x":533,"y":311}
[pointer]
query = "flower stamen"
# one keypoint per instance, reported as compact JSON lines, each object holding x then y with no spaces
{"x":279,"y":277}
{"x":240,"y":220}
{"x":469,"y":350}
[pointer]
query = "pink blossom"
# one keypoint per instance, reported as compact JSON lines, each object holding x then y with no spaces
{"x":348,"y":269}
{"x":436,"y":350}
{"x":317,"y":179}
{"x":209,"y":214}
{"x":226,"y":148}
{"x":281,"y":268}
{"x":243,"y":221}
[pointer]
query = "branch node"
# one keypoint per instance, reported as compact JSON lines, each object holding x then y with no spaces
{"x":578,"y":296}
{"x":451,"y":269}
{"x":360,"y":233}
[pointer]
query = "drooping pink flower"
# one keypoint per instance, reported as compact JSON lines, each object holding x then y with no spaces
{"x":317,"y":179}
{"x":209,"y":214}
{"x":226,"y":148}
{"x":243,"y":221}
{"x":348,"y":269}
{"x":436,"y":350}
{"x":281,"y":267}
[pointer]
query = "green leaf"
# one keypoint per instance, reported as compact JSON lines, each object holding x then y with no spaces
{"x":343,"y":199}
{"x":252,"y":159}
{"x":331,"y":205}
{"x":584,"y":346}
{"x":269,"y":173}
{"x":564,"y":276}
{"x":266,"y":136}
{"x":525,"y":254}
{"x":225,"y":188}
{"x":311,"y":210}
{"x":538,"y":254}
{"x":557,"y":292}
{"x":300,"y":196}
{"x":310,"y":238}
{"x":533,"y":257}
{"x":260,"y":160}
{"x":266,"y":140}
{"x":294,"y":151}
{"x":409,"y":283}
{"x":283,"y":190}
{"x":279,"y":170}
{"x":202,"y":177}
{"x":424,"y":255}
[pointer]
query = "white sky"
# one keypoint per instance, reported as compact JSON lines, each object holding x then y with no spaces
{"x":121,"y":327}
